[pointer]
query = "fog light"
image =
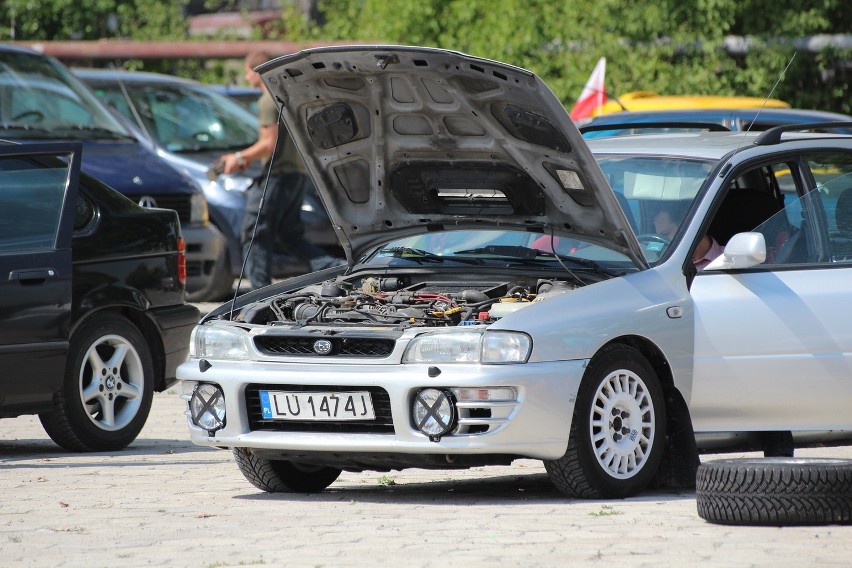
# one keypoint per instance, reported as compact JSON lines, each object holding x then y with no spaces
{"x":207,"y":407}
{"x":434,"y":413}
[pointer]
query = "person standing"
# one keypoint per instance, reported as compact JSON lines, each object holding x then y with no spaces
{"x":278,"y":216}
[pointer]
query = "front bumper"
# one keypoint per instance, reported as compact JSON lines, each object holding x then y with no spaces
{"x":536,"y":425}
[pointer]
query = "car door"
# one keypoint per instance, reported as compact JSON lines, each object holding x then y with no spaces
{"x":773,"y":344}
{"x":38,"y":194}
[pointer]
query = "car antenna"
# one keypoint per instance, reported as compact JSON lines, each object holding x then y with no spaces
{"x":257,"y":219}
{"x":618,"y":101}
{"x":772,"y":90}
{"x":765,"y":100}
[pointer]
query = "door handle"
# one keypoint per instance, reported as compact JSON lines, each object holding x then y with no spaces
{"x":33,"y":276}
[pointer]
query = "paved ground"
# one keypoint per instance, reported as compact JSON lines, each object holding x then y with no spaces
{"x":165,"y":502}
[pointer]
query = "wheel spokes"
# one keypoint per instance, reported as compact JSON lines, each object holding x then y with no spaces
{"x":622,"y":423}
{"x":110,"y":381}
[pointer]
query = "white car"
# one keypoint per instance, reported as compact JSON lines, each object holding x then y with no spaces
{"x":509,"y":295}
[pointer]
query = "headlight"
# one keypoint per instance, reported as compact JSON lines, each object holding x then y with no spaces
{"x":198,"y":208}
{"x":469,"y":347}
{"x":210,"y":342}
{"x":234,"y":183}
{"x":505,"y":347}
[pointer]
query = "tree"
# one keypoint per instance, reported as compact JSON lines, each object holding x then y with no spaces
{"x":668,"y":46}
{"x":46,"y":20}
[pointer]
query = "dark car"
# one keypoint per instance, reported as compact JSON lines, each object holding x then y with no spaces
{"x":93,"y":317}
{"x":41,"y":100}
{"x":737,"y":119}
{"x":192,"y":125}
{"x":246,"y":96}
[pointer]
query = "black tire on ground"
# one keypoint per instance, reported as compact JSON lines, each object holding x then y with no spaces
{"x":107,"y":390}
{"x":279,"y":476}
{"x":775,"y":491}
{"x":618,"y":429}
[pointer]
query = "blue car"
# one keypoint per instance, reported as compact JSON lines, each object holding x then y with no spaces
{"x":41,"y":100}
{"x":741,"y":119}
{"x":246,"y":96}
{"x":191,"y":125}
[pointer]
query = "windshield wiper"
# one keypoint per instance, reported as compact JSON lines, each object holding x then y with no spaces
{"x":509,"y":251}
{"x":420,"y":255}
{"x":583,"y":262}
{"x":410,"y":253}
{"x":24,"y":127}
{"x":529,"y":255}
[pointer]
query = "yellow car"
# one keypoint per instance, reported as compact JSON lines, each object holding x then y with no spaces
{"x":648,"y":100}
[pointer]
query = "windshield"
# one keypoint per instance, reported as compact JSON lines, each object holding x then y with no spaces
{"x":493,"y":248}
{"x":182,"y":117}
{"x":656,"y":194}
{"x":39,"y":99}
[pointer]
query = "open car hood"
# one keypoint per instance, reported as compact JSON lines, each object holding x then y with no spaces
{"x":404,"y":140}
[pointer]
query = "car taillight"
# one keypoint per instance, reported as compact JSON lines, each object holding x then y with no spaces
{"x":181,"y":257}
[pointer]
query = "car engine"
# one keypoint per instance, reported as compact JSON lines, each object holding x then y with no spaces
{"x":394,"y":301}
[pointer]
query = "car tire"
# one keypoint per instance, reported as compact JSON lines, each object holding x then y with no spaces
{"x":775,"y":491}
{"x":107,"y":390}
{"x":221,"y":286}
{"x":280,"y":476}
{"x":618,"y":429}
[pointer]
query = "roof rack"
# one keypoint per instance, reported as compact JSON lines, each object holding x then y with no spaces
{"x":773,"y":135}
{"x":711,"y":126}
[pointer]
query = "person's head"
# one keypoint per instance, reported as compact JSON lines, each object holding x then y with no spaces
{"x":664,"y":225}
{"x":251,"y":61}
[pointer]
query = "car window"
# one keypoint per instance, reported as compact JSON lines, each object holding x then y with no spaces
{"x":42,"y":100}
{"x":31,"y":195}
{"x":656,"y":195}
{"x":789,"y":239}
{"x":800,"y":225}
{"x":182,"y":118}
{"x":833,"y":176}
{"x":767,"y":200}
{"x":115,"y":98}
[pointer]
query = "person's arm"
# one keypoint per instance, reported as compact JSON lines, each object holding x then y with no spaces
{"x":265,"y":145}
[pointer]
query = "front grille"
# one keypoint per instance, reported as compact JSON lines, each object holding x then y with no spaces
{"x":340,"y":346}
{"x":382,"y":424}
{"x":180,"y":203}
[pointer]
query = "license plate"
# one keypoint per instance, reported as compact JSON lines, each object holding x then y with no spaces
{"x":283,"y":405}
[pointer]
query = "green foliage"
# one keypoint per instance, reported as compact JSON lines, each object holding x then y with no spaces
{"x":668,"y":46}
{"x":606,"y":511}
{"x":29,"y":20}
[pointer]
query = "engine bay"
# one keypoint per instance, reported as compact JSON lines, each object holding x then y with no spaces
{"x":399,"y":301}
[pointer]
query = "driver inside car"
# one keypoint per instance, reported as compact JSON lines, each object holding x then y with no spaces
{"x":665,"y":225}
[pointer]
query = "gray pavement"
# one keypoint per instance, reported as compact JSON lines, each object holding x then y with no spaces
{"x":166,"y":502}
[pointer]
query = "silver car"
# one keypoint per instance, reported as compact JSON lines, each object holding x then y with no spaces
{"x":516,"y":292}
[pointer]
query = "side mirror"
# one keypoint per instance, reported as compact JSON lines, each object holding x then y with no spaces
{"x":744,"y":250}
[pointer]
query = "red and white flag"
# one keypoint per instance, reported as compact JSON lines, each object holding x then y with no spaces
{"x":593,"y":94}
